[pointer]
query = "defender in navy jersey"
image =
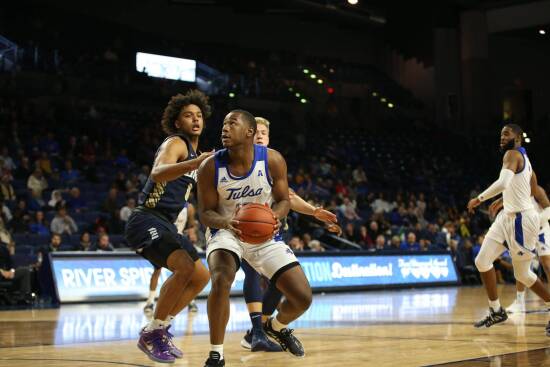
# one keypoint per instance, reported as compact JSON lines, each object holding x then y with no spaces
{"x":222,"y":182}
{"x":151,"y":231}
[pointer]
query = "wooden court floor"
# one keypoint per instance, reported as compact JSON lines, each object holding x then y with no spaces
{"x":384,"y":328}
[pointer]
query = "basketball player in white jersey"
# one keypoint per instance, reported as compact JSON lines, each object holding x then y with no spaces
{"x":188,"y":212}
{"x":262,"y":304}
{"x":240,"y":174}
{"x":542,"y":205}
{"x":517,"y":224}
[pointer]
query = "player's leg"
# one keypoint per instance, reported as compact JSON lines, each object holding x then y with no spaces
{"x":271,"y":300}
{"x":255,"y":339}
{"x":153,"y":283}
{"x":489,"y":252}
{"x":519,"y":302}
{"x":198,"y":281}
{"x":170,"y":252}
{"x":223,"y":266}
{"x":280,"y":265}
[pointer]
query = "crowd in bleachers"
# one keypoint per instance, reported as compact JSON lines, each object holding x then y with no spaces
{"x":387,"y":194}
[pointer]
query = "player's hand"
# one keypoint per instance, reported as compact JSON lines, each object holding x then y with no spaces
{"x":277,"y":225}
{"x":205,"y":155}
{"x":472,"y":204}
{"x":324,"y":215}
{"x":233,"y":226}
{"x":495,"y":207}
{"x":334,"y":228}
{"x":8,"y":274}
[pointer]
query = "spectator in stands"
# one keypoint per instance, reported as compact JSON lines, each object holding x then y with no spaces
{"x":132,"y":185}
{"x":359,"y":175}
{"x":348,"y":210}
{"x":37,"y":183}
{"x":363,"y":238}
{"x":62,"y":223}
{"x":21,"y":218}
{"x":45,"y":164}
{"x":395,"y":244}
{"x":5,"y":236}
{"x":39,"y":225}
{"x":50,"y":146}
{"x":5,"y":212}
{"x":380,"y":205}
{"x":374,"y":229}
{"x":120,"y":181}
{"x":85,"y":243}
{"x":380,"y":244}
{"x":75,"y":201}
{"x":122,"y":161}
{"x":410,"y":244}
{"x":69,"y":175}
{"x":7,"y":193}
{"x":296,"y":244}
{"x":110,"y":205}
{"x":103,"y":243}
{"x":306,"y":239}
{"x":20,"y":277}
{"x":316,"y":246}
{"x":349,"y":232}
{"x":127,"y":209}
{"x":55,"y":199}
{"x":24,"y":169}
{"x":8,"y":163}
{"x":54,"y":246}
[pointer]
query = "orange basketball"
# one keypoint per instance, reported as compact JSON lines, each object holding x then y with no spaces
{"x":256,"y":223}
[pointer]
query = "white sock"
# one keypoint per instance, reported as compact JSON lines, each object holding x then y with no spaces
{"x":520,"y":296}
{"x":277,"y":325}
{"x":151,"y":298}
{"x":217,"y":348}
{"x":168,"y":320}
{"x":154,"y":325}
{"x":495,"y":305}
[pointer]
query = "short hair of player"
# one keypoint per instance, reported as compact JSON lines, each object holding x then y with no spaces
{"x":248,"y":118}
{"x":516,"y":129}
{"x":262,"y":121}
{"x":179,"y":101}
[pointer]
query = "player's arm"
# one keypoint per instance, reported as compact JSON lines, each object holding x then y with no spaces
{"x":278,"y":173}
{"x":540,"y":196}
{"x":190,"y":216}
{"x":510,"y":163}
{"x":167,"y":166}
{"x":207,"y":197}
{"x":303,"y":207}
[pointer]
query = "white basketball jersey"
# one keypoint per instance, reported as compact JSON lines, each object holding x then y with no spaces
{"x":254,"y":187}
{"x":517,"y":197}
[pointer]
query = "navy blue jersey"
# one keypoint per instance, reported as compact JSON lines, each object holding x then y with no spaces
{"x":169,"y":197}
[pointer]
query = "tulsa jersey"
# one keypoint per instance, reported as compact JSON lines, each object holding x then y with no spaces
{"x":254,"y":187}
{"x":517,"y":197}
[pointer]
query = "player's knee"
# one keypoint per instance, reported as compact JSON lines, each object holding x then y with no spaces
{"x":306,"y":300}
{"x":526,"y":277}
{"x":222,"y":278}
{"x":482,"y":263}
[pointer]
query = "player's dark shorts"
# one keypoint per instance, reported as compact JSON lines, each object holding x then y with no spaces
{"x":155,"y":238}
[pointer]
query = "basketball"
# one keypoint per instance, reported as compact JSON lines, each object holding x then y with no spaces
{"x":256,"y":223}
